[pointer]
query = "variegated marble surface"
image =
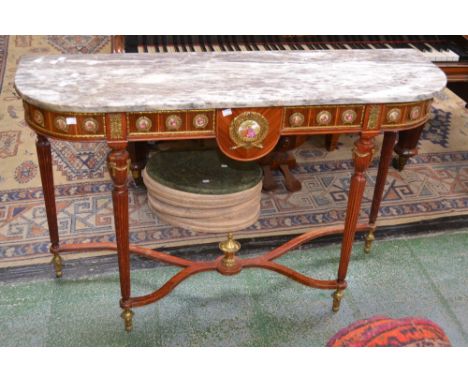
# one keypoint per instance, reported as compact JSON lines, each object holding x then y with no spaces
{"x":147,"y":82}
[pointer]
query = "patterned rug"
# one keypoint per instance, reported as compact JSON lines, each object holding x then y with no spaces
{"x":433,"y":184}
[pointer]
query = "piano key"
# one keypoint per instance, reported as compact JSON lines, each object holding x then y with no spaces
{"x":455,"y":57}
{"x":190,"y":44}
{"x":297,"y":43}
{"x":434,"y":55}
{"x":201,"y":42}
{"x":150,"y":44}
{"x":273,"y":45}
{"x":444,"y":49}
{"x":209,"y":43}
{"x":252,"y":42}
{"x":264,"y":43}
{"x":246,"y":43}
{"x":164,"y":44}
{"x":185,"y":44}
{"x":220,"y":44}
{"x":156,"y":44}
{"x":182,"y":44}
{"x":444,"y":55}
{"x":175,"y":43}
{"x":227,"y":43}
{"x":140,"y":45}
{"x":215,"y":43}
{"x":237,"y":45}
{"x":197,"y":46}
{"x":441,"y":56}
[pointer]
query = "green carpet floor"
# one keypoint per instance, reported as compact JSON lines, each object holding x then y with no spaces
{"x":418,"y":276}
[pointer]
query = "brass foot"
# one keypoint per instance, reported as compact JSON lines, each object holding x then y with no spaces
{"x":57,"y":261}
{"x":368,"y":241}
{"x":337,"y":296}
{"x":127,"y":316}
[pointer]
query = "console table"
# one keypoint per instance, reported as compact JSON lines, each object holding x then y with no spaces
{"x":246,"y":101}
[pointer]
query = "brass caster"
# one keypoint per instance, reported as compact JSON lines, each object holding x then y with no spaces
{"x":368,"y":241}
{"x":57,"y":261}
{"x":337,"y":296}
{"x":127,"y":316}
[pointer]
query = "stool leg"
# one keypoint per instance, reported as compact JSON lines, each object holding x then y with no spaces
{"x":362,"y":156}
{"x":138,"y":152}
{"x":331,"y":141}
{"x":44,"y":157}
{"x":406,"y":146}
{"x":118,"y":163}
{"x":384,"y":164}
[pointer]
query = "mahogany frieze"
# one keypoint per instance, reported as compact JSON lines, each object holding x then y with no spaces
{"x":187,"y":124}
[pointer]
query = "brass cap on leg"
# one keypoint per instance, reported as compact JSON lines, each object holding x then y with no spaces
{"x":368,"y":241}
{"x":57,"y":261}
{"x":127,"y":316}
{"x":337,"y":296}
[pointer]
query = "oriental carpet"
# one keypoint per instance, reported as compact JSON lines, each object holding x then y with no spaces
{"x":434,"y":184}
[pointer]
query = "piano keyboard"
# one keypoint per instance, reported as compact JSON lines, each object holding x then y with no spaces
{"x":433,"y":47}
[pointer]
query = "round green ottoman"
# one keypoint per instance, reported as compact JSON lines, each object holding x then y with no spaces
{"x":203,"y":190}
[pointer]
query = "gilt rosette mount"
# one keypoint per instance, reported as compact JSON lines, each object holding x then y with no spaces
{"x":248,"y":129}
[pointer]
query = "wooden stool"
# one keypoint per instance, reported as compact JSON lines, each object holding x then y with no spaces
{"x":203,"y":191}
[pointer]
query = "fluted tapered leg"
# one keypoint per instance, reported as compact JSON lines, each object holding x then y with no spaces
{"x":118,"y":163}
{"x":362,"y":156}
{"x":384,"y":164}
{"x":44,"y":157}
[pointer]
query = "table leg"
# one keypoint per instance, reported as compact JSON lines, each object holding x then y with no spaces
{"x":362,"y":156}
{"x":406,"y":146}
{"x":44,"y":157}
{"x":118,"y":163}
{"x":384,"y":164}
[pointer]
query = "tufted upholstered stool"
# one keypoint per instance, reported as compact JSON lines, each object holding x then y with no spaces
{"x":203,"y":190}
{"x":385,"y":331}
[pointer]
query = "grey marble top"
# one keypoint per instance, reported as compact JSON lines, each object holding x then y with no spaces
{"x":168,"y":81}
